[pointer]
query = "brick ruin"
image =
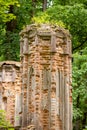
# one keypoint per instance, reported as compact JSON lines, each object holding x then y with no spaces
{"x":39,"y":88}
{"x":10,"y":90}
{"x":46,"y":77}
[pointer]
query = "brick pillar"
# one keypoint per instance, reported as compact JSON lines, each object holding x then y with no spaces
{"x":46,"y":78}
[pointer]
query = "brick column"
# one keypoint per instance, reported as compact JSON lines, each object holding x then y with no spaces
{"x":46,"y":78}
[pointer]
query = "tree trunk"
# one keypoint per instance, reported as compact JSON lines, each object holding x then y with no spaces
{"x":33,"y":8}
{"x":44,"y":5}
{"x":11,"y":25}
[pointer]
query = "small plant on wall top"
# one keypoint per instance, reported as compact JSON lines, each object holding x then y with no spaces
{"x":45,"y":19}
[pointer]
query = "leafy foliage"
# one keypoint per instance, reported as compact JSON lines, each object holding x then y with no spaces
{"x":8,"y":47}
{"x":5,"y":15}
{"x":3,"y":122}
{"x":45,"y":19}
{"x":80,"y":85}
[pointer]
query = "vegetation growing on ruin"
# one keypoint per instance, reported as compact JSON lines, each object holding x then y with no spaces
{"x":3,"y":122}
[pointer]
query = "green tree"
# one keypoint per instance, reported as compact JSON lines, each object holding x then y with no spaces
{"x":80,"y":89}
{"x":5,"y":15}
{"x":7,"y":24}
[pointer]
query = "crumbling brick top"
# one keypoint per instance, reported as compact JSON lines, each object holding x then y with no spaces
{"x":17,"y":64}
{"x":45,"y":29}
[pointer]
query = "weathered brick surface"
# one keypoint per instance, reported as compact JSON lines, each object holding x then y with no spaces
{"x":10,"y":86}
{"x":46,"y":77}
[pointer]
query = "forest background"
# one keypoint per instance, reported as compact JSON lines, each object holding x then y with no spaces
{"x":70,"y":14}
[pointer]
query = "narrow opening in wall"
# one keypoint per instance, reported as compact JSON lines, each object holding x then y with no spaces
{"x":4,"y":103}
{"x":0,"y":75}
